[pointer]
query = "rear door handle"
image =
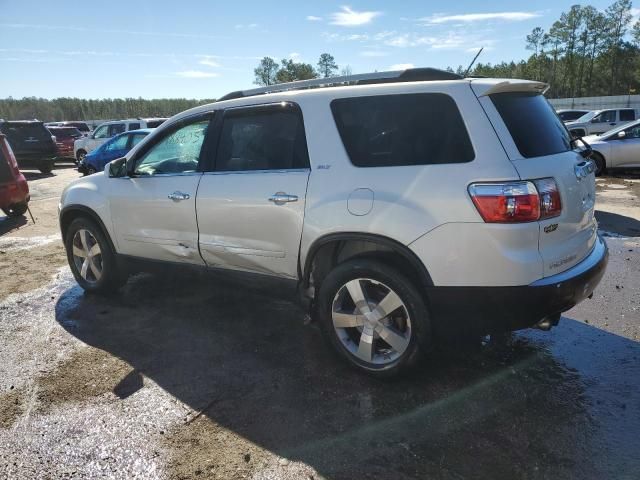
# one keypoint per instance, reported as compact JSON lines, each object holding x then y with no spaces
{"x":281,"y":198}
{"x":178,"y":196}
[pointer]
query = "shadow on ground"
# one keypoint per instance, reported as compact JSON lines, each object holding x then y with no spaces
{"x":540,"y":406}
{"x":8,"y":224}
{"x":618,"y":224}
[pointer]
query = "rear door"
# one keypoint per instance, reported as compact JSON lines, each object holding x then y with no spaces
{"x":251,"y":201}
{"x":539,"y":146}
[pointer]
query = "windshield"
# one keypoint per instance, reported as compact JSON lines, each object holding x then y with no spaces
{"x":586,"y":117}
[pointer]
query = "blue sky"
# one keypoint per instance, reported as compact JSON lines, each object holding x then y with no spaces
{"x":204,"y":49}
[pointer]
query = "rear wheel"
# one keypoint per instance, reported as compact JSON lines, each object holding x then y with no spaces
{"x":92,"y":261}
{"x":15,"y":210}
{"x":373,"y":316}
{"x":46,"y":167}
{"x":601,"y":166}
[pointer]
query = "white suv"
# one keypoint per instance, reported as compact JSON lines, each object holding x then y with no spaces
{"x":107,"y":130}
{"x":408,"y":206}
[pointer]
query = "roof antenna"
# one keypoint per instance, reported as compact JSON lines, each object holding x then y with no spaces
{"x":472,"y":62}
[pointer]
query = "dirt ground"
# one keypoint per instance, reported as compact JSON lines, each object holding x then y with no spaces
{"x":202,"y":376}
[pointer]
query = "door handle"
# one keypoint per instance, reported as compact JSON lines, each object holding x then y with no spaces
{"x":281,"y":198}
{"x":178,"y":196}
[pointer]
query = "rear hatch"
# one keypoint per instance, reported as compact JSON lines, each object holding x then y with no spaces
{"x":28,"y":137}
{"x":539,"y":146}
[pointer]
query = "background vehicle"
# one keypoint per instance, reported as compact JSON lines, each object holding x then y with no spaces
{"x":117,"y":147}
{"x":401,"y":227}
{"x":14,"y":191}
{"x":617,"y":148}
{"x":600,"y":121}
{"x":571,"y":115}
{"x":65,"y":136}
{"x":107,"y":130}
{"x":82,"y":126}
{"x":32,"y":144}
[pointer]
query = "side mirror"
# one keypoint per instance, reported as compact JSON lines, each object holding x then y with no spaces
{"x":595,"y":120}
{"x":622,"y":134}
{"x":117,"y":168}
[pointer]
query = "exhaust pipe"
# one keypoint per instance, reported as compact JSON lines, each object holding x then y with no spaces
{"x":547,"y":322}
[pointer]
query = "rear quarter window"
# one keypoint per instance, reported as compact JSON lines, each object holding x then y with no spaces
{"x":533,"y":124}
{"x":401,"y":130}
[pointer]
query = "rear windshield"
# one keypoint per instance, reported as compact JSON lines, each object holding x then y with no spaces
{"x":66,"y":132}
{"x":533,"y":124}
{"x":24,"y":131}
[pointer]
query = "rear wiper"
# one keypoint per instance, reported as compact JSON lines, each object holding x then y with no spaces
{"x":587,"y":151}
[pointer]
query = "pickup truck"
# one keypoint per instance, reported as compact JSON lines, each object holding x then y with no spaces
{"x":600,"y":121}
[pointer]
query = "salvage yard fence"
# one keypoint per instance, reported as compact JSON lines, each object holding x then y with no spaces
{"x":597,"y":103}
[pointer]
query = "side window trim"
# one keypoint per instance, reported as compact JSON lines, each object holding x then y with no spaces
{"x":267,"y":107}
{"x":210,"y":115}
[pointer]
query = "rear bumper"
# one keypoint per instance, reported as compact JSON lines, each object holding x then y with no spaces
{"x":35,"y":159}
{"x":457,"y":310}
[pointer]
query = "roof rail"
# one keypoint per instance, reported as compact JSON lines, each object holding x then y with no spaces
{"x":409,"y":75}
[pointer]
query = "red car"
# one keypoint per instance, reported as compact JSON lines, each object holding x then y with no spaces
{"x":65,"y":136}
{"x":14,"y":191}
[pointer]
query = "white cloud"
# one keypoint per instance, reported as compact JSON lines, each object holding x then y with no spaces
{"x":351,"y":18}
{"x":374,"y":53}
{"x":401,"y":66}
{"x":250,"y":26}
{"x":295,"y":56}
{"x":452,"y":41}
{"x":313,"y":18}
{"x":196,"y":74}
{"x":209,"y":62}
{"x":480,"y":17}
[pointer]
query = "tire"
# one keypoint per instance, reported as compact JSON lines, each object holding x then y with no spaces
{"x":601,"y":166}
{"x":408,"y":328}
{"x":103,"y":261}
{"x":46,"y":167}
{"x":16,"y":210}
{"x":90,"y":170}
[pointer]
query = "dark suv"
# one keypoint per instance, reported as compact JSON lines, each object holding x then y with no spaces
{"x":32,"y":144}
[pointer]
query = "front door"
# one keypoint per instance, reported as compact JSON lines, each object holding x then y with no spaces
{"x":153,"y":210}
{"x":625,"y":151}
{"x":251,"y":203}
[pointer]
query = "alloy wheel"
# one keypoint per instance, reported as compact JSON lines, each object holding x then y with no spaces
{"x":87,"y":256}
{"x":371,"y":321}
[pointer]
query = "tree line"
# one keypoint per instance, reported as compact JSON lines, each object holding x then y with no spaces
{"x":82,"y":109}
{"x":585,"y":52}
{"x":270,"y":72}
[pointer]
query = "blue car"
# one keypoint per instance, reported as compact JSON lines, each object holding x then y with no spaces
{"x":117,"y":147}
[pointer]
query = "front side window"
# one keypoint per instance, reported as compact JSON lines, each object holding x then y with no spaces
{"x":262,"y":138}
{"x":627,"y":115}
{"x":116,"y":128}
{"x":119,"y":143}
{"x":401,"y":130}
{"x":632,"y":132}
{"x":102,"y":132}
{"x":608,"y":116}
{"x":538,"y":133}
{"x":178,"y":152}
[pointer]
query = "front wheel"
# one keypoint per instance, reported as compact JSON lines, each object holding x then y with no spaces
{"x":80,"y":156}
{"x":373,"y":316}
{"x":16,"y":210}
{"x":46,"y":167}
{"x":92,"y":261}
{"x":600,"y":163}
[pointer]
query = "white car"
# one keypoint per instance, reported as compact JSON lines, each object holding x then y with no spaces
{"x":618,"y":148}
{"x":600,"y":121}
{"x":107,"y":130}
{"x":408,"y":206}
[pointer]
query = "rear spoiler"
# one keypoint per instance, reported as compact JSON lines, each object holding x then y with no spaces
{"x":483,"y":88}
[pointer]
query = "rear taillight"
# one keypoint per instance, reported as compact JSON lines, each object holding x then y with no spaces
{"x":514,"y":202}
{"x":550,"y":204}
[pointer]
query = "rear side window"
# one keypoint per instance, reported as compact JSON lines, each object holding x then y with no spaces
{"x":533,"y":124}
{"x":262,"y":138}
{"x":134,"y":126}
{"x":627,"y":115}
{"x":154,"y":123}
{"x":399,"y":130}
{"x":116,"y":128}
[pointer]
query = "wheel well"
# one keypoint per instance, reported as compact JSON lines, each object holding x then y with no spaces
{"x":327,"y":253}
{"x":598,"y":154}
{"x":70,"y":213}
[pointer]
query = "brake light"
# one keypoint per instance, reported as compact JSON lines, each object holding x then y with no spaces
{"x":514,"y":202}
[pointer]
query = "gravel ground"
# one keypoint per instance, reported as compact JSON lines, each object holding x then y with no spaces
{"x":208,"y":376}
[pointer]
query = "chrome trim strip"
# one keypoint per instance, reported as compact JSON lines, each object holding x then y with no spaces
{"x":245,"y":172}
{"x":598,"y":252}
